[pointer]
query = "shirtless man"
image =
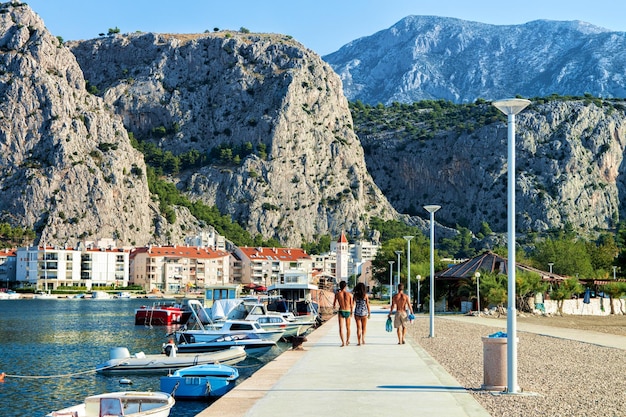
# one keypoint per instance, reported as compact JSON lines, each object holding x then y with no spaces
{"x":401,"y":319}
{"x":346,"y":307}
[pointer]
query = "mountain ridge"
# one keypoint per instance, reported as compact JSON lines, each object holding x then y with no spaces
{"x":429,"y":57}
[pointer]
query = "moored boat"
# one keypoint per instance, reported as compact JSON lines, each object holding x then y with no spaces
{"x":200,"y":381}
{"x":269,"y":320}
{"x":9,"y":295}
{"x":124,"y":403}
{"x":44,"y":296}
{"x":120,"y":360}
{"x":123,"y":294}
{"x":200,"y":331}
{"x":101,"y":295}
{"x":253,"y":344}
{"x":162,"y":314}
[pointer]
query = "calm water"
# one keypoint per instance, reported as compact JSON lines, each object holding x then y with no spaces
{"x":61,"y":342}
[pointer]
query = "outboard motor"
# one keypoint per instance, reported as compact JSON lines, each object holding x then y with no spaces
{"x":119,"y":353}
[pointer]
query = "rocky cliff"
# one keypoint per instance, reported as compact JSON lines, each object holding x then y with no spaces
{"x":569,"y":160}
{"x":66,"y":165}
{"x":231,"y":90}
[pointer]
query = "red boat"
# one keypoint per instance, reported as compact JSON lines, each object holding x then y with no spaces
{"x":162,"y":314}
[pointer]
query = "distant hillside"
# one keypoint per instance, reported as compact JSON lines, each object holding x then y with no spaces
{"x":570,"y":155}
{"x":427,"y":57}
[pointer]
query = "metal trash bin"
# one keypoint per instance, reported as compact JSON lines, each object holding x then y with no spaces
{"x":494,"y":362}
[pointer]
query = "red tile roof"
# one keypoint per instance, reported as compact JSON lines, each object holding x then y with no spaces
{"x":192,"y":252}
{"x":278,"y":254}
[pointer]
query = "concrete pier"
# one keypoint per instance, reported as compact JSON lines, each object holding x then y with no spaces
{"x":379,"y":378}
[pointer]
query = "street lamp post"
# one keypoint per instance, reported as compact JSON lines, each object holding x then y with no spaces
{"x":477,"y":276}
{"x":614,"y":270}
{"x":408,"y":265}
{"x":398,"y":252}
{"x":431,"y":305}
{"x":511,"y":107}
{"x":419,"y":285}
{"x":390,"y":282}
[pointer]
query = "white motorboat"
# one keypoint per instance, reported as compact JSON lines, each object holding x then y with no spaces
{"x":120,"y":360}
{"x":44,"y":296}
{"x":101,"y":295}
{"x":9,"y":295}
{"x":270,"y":320}
{"x":253,"y":344}
{"x":124,"y":403}
{"x":200,"y":381}
{"x":123,"y":294}
{"x":198,"y":331}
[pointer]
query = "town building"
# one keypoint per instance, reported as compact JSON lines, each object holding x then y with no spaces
{"x":266,"y":266}
{"x":47,"y":268}
{"x":8,"y":261}
{"x":207,"y":238}
{"x":178,"y":268}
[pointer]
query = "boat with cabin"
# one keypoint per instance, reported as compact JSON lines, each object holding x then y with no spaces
{"x":253,"y":310}
{"x":202,"y":328}
{"x":200,"y":381}
{"x":123,"y":403}
{"x":162,"y":314}
{"x":121,"y":361}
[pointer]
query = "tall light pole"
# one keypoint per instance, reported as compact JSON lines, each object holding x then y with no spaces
{"x":431,"y":305}
{"x":408,"y":266}
{"x":511,"y":107}
{"x":477,"y":276}
{"x":398,"y":252}
{"x":390,"y":282}
{"x":419,"y":285}
{"x":614,"y":270}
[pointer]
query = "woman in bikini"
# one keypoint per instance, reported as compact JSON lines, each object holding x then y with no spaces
{"x":361,"y":312}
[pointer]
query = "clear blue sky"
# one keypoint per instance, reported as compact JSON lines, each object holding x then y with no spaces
{"x":321,"y":25}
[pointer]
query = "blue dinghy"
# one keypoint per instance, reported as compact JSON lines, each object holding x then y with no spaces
{"x":200,"y":381}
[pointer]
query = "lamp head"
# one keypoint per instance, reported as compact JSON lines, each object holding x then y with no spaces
{"x":511,"y":105}
{"x":432,"y":208}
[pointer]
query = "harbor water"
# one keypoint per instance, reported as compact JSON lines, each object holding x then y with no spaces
{"x":49,"y":350}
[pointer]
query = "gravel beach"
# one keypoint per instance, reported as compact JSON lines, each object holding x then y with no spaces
{"x":565,"y":378}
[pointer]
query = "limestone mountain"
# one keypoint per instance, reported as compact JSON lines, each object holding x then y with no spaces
{"x":429,"y":57}
{"x":66,"y":165}
{"x":570,"y":165}
{"x":287,"y":163}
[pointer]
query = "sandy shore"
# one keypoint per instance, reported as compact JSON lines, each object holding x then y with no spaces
{"x":566,"y":378}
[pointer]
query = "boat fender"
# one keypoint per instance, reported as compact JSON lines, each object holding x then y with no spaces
{"x":126,"y":381}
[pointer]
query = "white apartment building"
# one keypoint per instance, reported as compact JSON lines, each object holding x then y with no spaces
{"x":50,"y":267}
{"x":209,"y":239}
{"x":178,"y":268}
